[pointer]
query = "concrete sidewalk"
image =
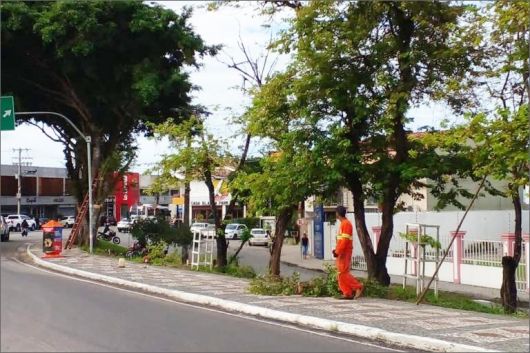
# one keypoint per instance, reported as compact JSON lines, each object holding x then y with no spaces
{"x":396,"y":323}
{"x":291,"y":256}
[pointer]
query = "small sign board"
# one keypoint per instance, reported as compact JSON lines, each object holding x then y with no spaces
{"x":7,"y":113}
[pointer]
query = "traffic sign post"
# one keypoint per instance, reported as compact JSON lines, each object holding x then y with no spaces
{"x":7,"y":113}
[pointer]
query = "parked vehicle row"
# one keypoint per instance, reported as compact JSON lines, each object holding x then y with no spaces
{"x":233,"y":231}
{"x":14,"y":222}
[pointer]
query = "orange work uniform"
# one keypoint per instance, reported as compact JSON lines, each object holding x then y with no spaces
{"x":348,"y":284}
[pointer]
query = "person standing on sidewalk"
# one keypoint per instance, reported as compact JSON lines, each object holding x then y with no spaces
{"x":305,"y":245}
{"x":349,"y":285}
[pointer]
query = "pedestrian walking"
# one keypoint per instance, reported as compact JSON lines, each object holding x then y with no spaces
{"x":24,"y":227}
{"x":350,"y":287}
{"x":305,"y":245}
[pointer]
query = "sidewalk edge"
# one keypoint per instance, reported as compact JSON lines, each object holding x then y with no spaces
{"x":367,"y":332}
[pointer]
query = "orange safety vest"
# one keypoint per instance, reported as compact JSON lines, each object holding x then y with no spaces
{"x":344,"y":246}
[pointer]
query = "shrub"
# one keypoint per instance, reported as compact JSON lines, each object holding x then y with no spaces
{"x":103,"y":247}
{"x":373,"y":289}
{"x":157,"y":250}
{"x":332,"y":286}
{"x":157,"y":230}
{"x":172,"y":259}
{"x":239,"y":271}
{"x":272,"y":285}
{"x":424,"y":239}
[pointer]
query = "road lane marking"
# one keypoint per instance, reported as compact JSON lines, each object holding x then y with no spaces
{"x":292,"y":327}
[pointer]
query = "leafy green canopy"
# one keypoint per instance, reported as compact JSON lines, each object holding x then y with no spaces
{"x":110,"y":66}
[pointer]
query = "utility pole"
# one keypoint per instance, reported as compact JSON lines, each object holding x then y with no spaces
{"x":19,"y":173}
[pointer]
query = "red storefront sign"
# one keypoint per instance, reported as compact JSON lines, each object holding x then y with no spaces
{"x":127,"y":193}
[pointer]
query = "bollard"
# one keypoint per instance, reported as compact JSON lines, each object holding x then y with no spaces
{"x":121,"y":262}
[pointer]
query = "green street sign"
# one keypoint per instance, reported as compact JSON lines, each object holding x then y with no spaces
{"x":7,"y":113}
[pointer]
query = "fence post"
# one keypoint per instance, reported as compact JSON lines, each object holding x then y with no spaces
{"x":414,"y":251}
{"x":507,"y":243}
{"x":458,"y":252}
{"x":526,"y":245}
{"x":377,"y":236}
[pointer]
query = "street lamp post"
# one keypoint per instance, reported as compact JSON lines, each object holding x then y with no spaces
{"x":88,"y":141}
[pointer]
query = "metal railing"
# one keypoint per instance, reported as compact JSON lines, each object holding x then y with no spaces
{"x":474,"y":252}
{"x":482,"y":252}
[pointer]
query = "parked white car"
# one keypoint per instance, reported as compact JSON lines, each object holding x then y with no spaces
{"x":14,"y":222}
{"x":209,"y":231}
{"x":68,"y":221}
{"x":198,"y":227}
{"x":234,"y":230}
{"x":124,"y":225}
{"x":258,"y":236}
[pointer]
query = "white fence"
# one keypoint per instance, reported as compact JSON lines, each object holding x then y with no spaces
{"x":488,"y":225}
{"x":482,"y":252}
{"x":482,"y":248}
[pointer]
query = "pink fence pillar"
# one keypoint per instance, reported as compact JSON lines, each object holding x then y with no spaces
{"x":414,"y":253}
{"x":458,"y":252}
{"x":508,"y":240}
{"x":526,"y":245}
{"x":377,"y":236}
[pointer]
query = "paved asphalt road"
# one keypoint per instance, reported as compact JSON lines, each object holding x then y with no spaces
{"x":42,"y":311}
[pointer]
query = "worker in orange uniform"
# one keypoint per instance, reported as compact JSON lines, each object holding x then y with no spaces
{"x":349,"y":285}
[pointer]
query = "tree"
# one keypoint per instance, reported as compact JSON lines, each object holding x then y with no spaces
{"x":289,"y":173}
{"x":502,"y":152}
{"x":254,"y":71}
{"x":358,"y":68}
{"x":200,"y":154}
{"x":108,"y":66}
{"x":496,"y":131}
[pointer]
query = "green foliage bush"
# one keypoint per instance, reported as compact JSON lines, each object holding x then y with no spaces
{"x":157,"y":250}
{"x":272,"y":285}
{"x":103,"y":247}
{"x":173,"y":260}
{"x":424,"y":239}
{"x":239,"y":271}
{"x":373,"y":289}
{"x":160,"y":230}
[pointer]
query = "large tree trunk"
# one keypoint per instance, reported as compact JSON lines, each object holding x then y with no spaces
{"x":509,"y":263}
{"x":375,"y":267}
{"x":222,"y":246}
{"x":508,"y":288}
{"x":185,"y":249}
{"x":276,"y":249}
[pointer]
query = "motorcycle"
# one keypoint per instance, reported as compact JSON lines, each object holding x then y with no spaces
{"x":136,"y":250}
{"x":109,"y":236}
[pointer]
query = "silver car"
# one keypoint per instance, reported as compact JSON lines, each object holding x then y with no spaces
{"x":235,"y":230}
{"x":258,"y":236}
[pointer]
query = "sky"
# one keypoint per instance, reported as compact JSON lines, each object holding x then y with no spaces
{"x":219,"y":92}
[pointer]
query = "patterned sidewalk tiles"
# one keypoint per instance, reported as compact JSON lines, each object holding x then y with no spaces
{"x":484,"y":330}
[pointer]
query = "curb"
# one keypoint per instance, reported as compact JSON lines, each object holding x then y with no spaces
{"x":371,"y":333}
{"x":293,"y":264}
